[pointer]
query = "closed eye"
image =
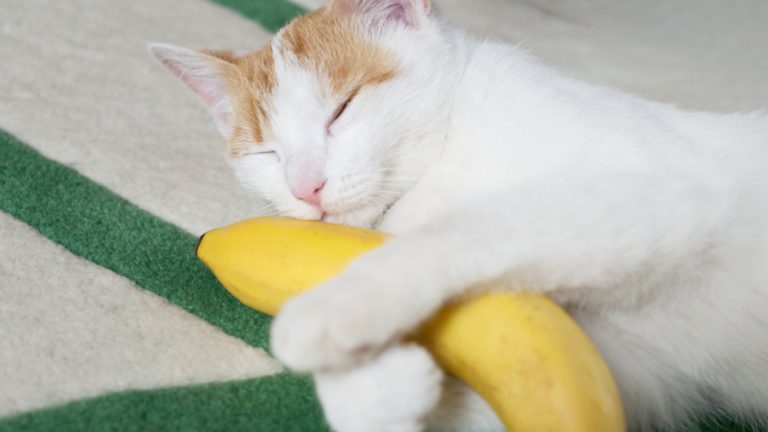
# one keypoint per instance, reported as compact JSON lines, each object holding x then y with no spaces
{"x":339,"y":111}
{"x":261,"y":153}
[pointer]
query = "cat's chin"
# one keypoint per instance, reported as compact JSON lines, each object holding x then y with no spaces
{"x":366,"y":217}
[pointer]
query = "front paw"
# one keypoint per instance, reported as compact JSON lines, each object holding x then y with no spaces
{"x":336,"y":325}
{"x":393,"y":392}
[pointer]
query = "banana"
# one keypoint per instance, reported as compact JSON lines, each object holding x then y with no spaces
{"x":521,"y":352}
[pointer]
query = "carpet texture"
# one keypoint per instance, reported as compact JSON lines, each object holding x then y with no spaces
{"x":270,"y":14}
{"x":88,"y":331}
{"x":108,"y":157}
{"x":282,"y":403}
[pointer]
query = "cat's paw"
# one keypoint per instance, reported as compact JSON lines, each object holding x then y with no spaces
{"x":461,"y":409}
{"x":339,"y":324}
{"x":392,"y":393}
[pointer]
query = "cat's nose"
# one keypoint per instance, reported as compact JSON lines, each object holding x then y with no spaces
{"x":309,"y":191}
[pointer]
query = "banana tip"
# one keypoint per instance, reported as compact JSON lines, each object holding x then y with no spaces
{"x":197,"y":246}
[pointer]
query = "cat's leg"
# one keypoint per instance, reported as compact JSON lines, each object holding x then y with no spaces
{"x":461,"y":409}
{"x":394,"y":392}
{"x":575,"y":236}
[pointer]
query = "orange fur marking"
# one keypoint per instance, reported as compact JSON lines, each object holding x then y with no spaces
{"x":326,"y":43}
{"x":330,"y":44}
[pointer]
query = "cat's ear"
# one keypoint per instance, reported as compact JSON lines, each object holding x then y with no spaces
{"x":412,"y":13}
{"x":204,"y":74}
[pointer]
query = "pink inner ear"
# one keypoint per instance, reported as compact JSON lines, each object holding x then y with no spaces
{"x":399,"y":12}
{"x":202,"y":74}
{"x":208,"y":88}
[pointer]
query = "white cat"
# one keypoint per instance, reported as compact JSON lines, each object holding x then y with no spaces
{"x":649,"y":224}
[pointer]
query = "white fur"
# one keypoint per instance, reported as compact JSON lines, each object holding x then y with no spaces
{"x":354,"y":400}
{"x":648,"y":223}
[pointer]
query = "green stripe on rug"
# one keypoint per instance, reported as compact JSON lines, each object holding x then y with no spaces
{"x":271,"y":14}
{"x":279,"y":403}
{"x":98,"y":225}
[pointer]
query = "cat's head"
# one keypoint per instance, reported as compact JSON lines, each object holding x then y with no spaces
{"x":336,"y":117}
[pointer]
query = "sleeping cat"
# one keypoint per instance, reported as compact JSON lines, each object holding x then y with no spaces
{"x":647,"y":223}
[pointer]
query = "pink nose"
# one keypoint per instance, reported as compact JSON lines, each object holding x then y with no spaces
{"x":309,"y":192}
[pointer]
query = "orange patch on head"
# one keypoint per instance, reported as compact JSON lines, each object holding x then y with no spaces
{"x":332,"y":46}
{"x":322,"y":41}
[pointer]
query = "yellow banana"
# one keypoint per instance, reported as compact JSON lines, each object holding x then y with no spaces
{"x":521,"y":352}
